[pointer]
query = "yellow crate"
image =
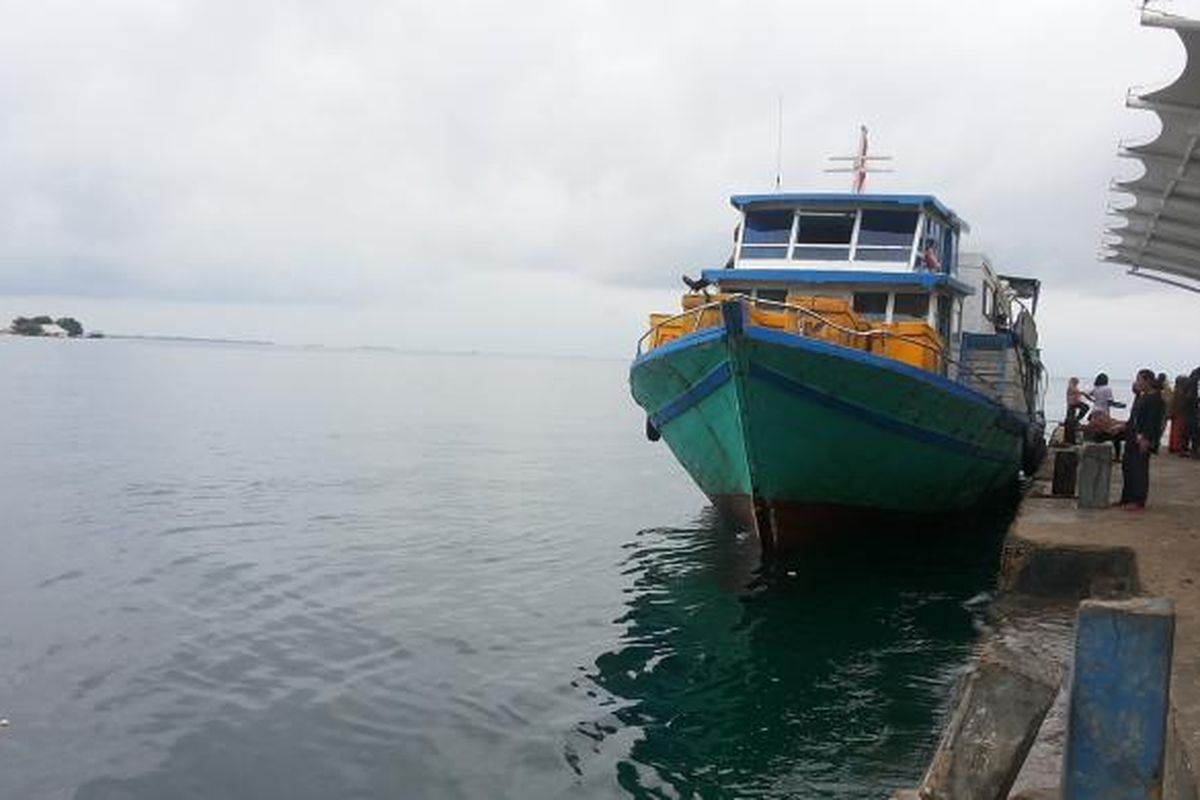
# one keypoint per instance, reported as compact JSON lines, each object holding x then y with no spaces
{"x":921,"y":346}
{"x":834,"y":322}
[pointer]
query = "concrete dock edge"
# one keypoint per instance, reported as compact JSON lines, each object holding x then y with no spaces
{"x":1000,"y":709}
{"x":1058,"y":554}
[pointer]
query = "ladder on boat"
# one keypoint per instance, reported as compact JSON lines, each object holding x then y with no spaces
{"x":991,"y":366}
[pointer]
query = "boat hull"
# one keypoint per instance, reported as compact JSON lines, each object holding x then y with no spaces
{"x":791,"y":435}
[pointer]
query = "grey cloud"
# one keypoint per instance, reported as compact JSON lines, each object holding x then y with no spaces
{"x":304,"y":151}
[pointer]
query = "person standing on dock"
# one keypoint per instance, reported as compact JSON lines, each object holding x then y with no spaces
{"x":1076,"y":410}
{"x":1142,"y":432}
{"x":1188,"y":406}
{"x":1167,"y":391}
{"x":1175,"y":414}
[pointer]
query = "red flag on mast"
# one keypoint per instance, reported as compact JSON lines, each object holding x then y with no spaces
{"x":860,"y":163}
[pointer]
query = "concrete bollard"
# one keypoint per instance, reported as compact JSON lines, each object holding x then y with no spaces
{"x":996,"y":721}
{"x":1066,"y":467}
{"x":1095,"y":474}
{"x":1117,"y":719}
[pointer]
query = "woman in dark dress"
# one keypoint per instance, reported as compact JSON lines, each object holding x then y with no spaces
{"x":1142,"y":433}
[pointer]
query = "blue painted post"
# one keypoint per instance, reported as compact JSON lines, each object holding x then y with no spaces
{"x":1117,"y":720}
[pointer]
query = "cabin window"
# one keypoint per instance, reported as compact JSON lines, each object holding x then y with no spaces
{"x":772,"y":295}
{"x":824,"y":236}
{"x":766,"y":233}
{"x":871,"y":304}
{"x":749,"y":251}
{"x":870,"y":234}
{"x":912,"y":306}
{"x":948,"y":250}
{"x":886,"y":235}
{"x":768,"y":227}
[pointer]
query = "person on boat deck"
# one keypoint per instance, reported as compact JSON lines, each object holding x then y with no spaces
{"x":1142,"y":433}
{"x":1076,"y":409}
{"x":929,"y":256}
{"x":1101,"y":427}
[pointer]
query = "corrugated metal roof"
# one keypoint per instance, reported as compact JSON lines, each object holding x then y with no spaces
{"x":1158,"y":236}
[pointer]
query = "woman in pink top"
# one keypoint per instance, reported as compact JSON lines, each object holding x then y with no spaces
{"x":1076,"y":409}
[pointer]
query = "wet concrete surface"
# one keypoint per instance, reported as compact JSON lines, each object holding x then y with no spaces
{"x":1044,"y":630}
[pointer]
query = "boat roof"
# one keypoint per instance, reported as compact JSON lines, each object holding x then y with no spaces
{"x":920,"y":280}
{"x":848,"y":199}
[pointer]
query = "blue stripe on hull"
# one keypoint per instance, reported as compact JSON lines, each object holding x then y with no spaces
{"x":715,"y":379}
{"x":682,"y":343}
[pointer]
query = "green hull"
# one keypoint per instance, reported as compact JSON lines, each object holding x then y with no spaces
{"x":785,"y":431}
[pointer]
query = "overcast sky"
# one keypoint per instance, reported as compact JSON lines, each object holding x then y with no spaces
{"x":534,"y":176}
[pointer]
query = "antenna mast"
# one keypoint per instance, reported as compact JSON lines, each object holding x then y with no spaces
{"x":860,"y":164}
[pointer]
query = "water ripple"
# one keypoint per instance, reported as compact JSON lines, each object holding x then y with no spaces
{"x":269,"y":573}
{"x":829,"y":671}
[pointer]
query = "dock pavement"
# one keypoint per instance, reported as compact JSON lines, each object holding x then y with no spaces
{"x":1155,"y":551}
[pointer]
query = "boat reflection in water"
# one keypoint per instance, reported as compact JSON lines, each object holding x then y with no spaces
{"x":822,"y":674}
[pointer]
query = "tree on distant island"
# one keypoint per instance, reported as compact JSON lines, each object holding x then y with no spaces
{"x":70,"y":325}
{"x":24,"y":326}
{"x":33,"y":326}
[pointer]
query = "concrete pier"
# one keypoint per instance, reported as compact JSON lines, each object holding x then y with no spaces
{"x":1057,"y":551}
{"x":1000,"y":709}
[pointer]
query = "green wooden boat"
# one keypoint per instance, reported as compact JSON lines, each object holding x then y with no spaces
{"x":846,"y":367}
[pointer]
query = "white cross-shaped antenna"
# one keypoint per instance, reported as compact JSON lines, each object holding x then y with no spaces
{"x":861,"y":164}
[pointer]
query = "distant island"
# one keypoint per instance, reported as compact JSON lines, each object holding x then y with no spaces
{"x":45,"y":325}
{"x":149,"y":337}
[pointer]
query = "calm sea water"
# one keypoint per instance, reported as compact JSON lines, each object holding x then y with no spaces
{"x":260,"y":572}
